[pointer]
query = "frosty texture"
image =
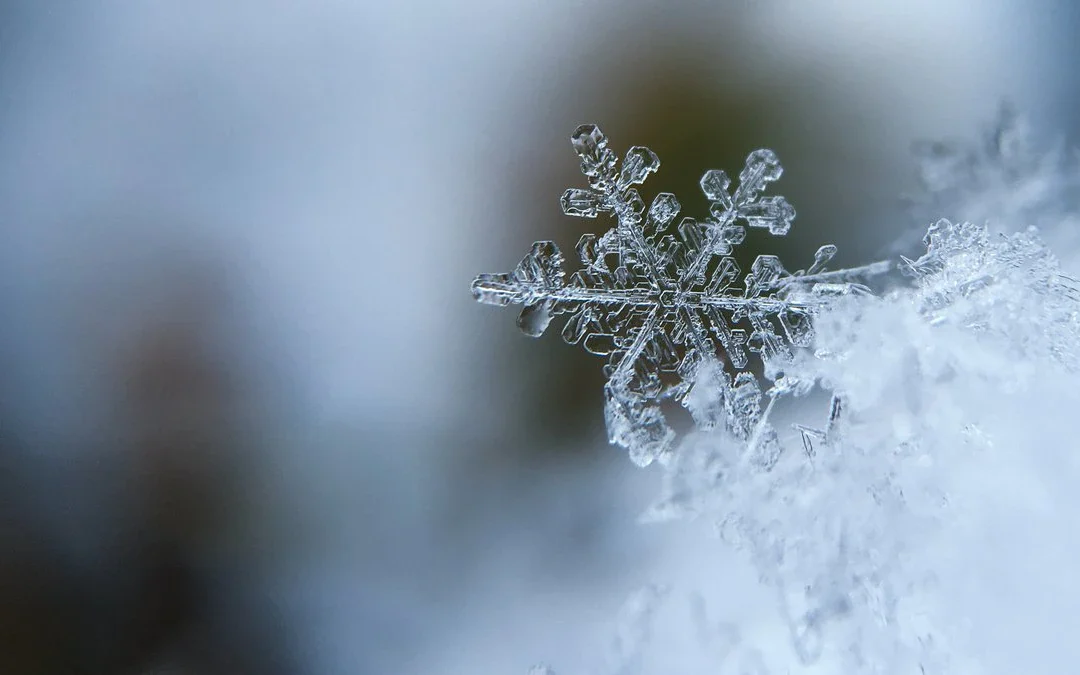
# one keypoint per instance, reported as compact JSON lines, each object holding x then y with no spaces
{"x":1005,"y":180}
{"x":971,"y":277}
{"x":852,"y":531}
{"x":664,"y":300}
{"x":944,"y":419}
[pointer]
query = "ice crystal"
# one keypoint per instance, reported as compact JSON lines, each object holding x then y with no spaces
{"x":969,"y":275}
{"x":1005,"y":180}
{"x":849,"y":532}
{"x":667,"y":302}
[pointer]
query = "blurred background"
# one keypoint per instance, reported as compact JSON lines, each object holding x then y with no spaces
{"x":251,"y":420}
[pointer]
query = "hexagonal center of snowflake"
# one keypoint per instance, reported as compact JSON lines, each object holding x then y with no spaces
{"x":669,"y":299}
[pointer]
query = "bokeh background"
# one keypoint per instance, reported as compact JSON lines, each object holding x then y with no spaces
{"x":251,"y":420}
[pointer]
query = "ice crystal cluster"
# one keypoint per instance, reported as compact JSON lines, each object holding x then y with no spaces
{"x":890,"y":436}
{"x":1005,"y":180}
{"x":852,"y":532}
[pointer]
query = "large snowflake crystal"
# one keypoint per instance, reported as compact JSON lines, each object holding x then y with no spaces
{"x":663,"y":301}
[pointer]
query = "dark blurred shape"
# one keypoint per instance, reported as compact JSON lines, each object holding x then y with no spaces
{"x":153,"y":594}
{"x":180,"y":405}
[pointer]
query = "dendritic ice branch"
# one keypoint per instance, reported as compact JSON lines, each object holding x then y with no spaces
{"x":663,"y":300}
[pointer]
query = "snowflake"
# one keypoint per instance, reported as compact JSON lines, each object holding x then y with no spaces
{"x":662,"y":301}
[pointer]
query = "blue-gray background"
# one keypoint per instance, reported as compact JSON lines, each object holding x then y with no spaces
{"x":250,"y":415}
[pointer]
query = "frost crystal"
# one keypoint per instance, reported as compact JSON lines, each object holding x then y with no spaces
{"x":968,"y":276}
{"x":1005,"y":180}
{"x":667,"y":303}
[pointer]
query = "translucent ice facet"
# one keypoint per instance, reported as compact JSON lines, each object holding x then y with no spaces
{"x":635,"y":204}
{"x":579,"y":202}
{"x":762,"y":168}
{"x":577,"y":326}
{"x":597,"y":160}
{"x":589,"y":142}
{"x":773,"y":213}
{"x":725,"y":274}
{"x":730,"y":236}
{"x":600,"y":344}
{"x":534,"y":318}
{"x":663,"y":210}
{"x":543,"y":265}
{"x":637,"y":426}
{"x":715,"y":184}
{"x":639,"y":163}
{"x":494,"y":289}
{"x":764,"y":273}
{"x":586,"y":248}
{"x":822,"y":258}
{"x":798,"y":326}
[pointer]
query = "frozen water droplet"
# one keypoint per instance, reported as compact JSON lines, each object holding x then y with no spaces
{"x":534,"y":318}
{"x":588,"y":140}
